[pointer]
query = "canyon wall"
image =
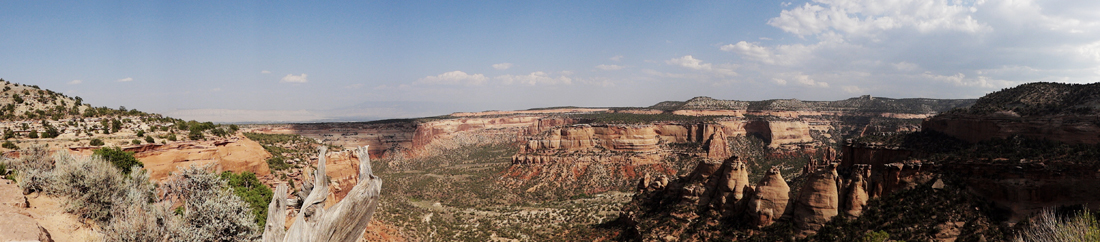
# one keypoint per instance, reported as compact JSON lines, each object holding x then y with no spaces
{"x":412,"y":138}
{"x":236,"y":154}
{"x":1073,"y":129}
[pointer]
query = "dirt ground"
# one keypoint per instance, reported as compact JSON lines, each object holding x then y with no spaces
{"x":63,"y":227}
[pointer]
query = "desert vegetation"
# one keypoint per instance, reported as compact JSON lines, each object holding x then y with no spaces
{"x":285,"y":149}
{"x":127,"y":205}
{"x":1050,"y":225}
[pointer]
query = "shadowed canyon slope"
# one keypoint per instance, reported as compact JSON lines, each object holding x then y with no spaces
{"x":970,"y":175}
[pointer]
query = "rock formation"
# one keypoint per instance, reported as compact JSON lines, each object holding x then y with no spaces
{"x":716,"y":144}
{"x":725,"y":186}
{"x":818,"y":201}
{"x":344,"y":221}
{"x":15,"y":223}
{"x":855,"y":191}
{"x":769,"y":200}
{"x":237,"y":154}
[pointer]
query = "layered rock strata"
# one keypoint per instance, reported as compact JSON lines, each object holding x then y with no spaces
{"x":236,"y":154}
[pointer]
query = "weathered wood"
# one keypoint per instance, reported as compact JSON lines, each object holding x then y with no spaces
{"x":345,"y":221}
{"x":276,"y":216}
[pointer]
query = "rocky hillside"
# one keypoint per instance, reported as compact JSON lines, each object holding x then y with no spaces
{"x":1051,"y":111}
{"x":1041,"y":98}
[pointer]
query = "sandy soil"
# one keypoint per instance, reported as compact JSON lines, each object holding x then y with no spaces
{"x":63,"y":227}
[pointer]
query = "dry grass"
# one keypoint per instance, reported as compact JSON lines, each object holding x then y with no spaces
{"x":1047,"y":226}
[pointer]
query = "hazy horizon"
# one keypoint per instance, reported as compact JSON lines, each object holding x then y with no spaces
{"x":297,"y":62}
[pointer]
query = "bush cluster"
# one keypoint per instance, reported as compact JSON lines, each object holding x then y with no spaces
{"x":123,"y":160}
{"x":249,"y":188}
{"x":1049,"y":226}
{"x":127,"y":206}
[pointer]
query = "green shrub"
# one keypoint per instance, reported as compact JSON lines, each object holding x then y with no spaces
{"x":140,"y":133}
{"x":51,"y":132}
{"x":211,"y":211}
{"x":95,"y":142}
{"x":195,"y":134}
{"x":219,"y":132}
{"x":35,"y":169}
{"x":33,"y":135}
{"x":877,"y":236}
{"x":278,"y":163}
{"x":123,"y":160}
{"x":171,"y":137}
{"x":90,"y":185}
{"x":249,"y":188}
{"x":9,"y":145}
{"x":135,"y":142}
{"x":149,"y":139}
{"x":135,"y":217}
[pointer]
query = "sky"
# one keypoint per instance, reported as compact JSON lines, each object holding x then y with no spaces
{"x":279,"y":61}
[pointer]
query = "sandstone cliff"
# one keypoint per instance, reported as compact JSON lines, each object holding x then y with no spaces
{"x":236,"y":153}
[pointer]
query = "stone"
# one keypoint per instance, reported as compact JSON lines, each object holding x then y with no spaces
{"x":716,"y":145}
{"x":818,"y":202}
{"x":20,"y":227}
{"x":769,"y":201}
{"x":856,"y":196}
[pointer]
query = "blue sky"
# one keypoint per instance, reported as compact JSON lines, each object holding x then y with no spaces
{"x":302,"y":61}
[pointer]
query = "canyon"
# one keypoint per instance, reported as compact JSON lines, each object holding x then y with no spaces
{"x":769,"y":164}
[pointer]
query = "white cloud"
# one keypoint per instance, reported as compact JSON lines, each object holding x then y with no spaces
{"x":752,"y":51}
{"x":798,"y":78}
{"x":609,"y":67}
{"x":853,"y":89}
{"x":937,"y":48}
{"x":75,"y":82}
{"x":1091,"y":51}
{"x":906,"y":66}
{"x":616,"y":58}
{"x":265,"y":72}
{"x":128,"y":79}
{"x":295,"y":79}
{"x":690,"y":62}
{"x":961,"y":80}
{"x":502,"y":66}
{"x":454,"y":78}
{"x":871,"y":17}
{"x":671,"y":75}
{"x":535,"y":78}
